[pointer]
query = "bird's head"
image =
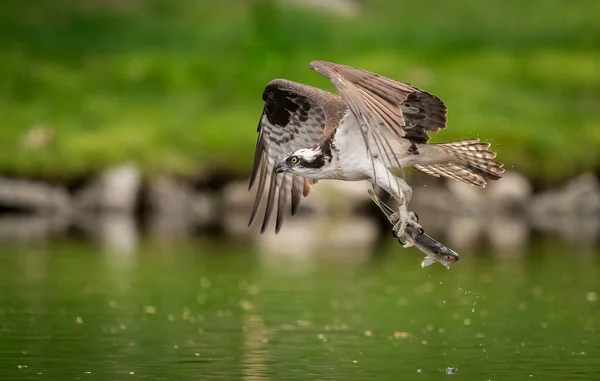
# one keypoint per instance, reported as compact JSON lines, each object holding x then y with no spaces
{"x":306,"y":162}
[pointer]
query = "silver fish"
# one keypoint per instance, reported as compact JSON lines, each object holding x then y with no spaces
{"x":435,"y":251}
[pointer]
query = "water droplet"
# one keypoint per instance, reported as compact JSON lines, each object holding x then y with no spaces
{"x":150,"y":310}
{"x":204,"y":282}
{"x":591,"y":296}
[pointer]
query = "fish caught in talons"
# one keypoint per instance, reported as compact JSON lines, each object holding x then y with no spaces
{"x":435,"y":251}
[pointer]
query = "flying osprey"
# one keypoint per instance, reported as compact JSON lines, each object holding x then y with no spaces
{"x":374,"y":128}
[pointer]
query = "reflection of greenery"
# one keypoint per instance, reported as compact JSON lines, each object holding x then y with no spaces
{"x":190,"y":310}
{"x":175,"y":84}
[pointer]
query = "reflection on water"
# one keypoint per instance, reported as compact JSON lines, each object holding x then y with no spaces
{"x":219,"y":310}
{"x":307,"y":233}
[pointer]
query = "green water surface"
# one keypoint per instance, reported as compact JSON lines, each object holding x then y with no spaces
{"x":218,"y":311}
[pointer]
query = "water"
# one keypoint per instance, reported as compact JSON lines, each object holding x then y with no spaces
{"x":202,"y":310}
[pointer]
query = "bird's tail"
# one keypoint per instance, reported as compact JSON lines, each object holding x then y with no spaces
{"x":474,"y":163}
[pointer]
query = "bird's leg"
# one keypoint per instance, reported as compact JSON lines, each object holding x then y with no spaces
{"x":402,"y":192}
{"x":404,"y":217}
{"x":395,"y":219}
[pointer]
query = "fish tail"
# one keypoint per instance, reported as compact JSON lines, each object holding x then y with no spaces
{"x":427,"y":261}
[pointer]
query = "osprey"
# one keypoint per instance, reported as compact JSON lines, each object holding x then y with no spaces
{"x":370,"y":131}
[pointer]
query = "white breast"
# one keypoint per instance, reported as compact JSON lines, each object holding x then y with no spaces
{"x":354,"y":161}
{"x":350,"y":155}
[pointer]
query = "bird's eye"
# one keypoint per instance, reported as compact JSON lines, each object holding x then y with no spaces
{"x":448,"y":257}
{"x":294,"y":160}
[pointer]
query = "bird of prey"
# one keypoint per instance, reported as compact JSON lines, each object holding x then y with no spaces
{"x":370,"y":131}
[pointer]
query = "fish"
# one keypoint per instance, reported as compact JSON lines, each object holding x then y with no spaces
{"x":434,"y":251}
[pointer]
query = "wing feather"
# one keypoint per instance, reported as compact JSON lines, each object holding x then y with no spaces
{"x":403,"y":109}
{"x":385,"y":108}
{"x":261,"y":187}
{"x":294,"y":116}
{"x":297,"y":193}
{"x":273,"y":192}
{"x":284,"y":195}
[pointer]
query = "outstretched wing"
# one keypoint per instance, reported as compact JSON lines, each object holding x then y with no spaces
{"x":384,"y":109}
{"x":404,"y":110}
{"x":293,"y":118}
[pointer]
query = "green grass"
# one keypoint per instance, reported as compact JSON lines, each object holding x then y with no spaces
{"x":176,"y":85}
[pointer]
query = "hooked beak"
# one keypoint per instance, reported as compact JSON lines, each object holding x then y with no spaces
{"x":281,"y":167}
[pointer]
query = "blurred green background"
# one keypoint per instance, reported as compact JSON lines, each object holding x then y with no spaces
{"x":189,"y":292}
{"x":176,"y":85}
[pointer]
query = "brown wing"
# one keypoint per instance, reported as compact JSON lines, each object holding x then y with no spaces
{"x":293,"y":118}
{"x":379,"y":101}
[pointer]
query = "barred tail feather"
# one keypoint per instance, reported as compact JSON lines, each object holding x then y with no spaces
{"x":474,"y":164}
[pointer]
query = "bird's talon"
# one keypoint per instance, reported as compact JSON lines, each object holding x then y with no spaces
{"x":415,"y":216}
{"x":394,"y":218}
